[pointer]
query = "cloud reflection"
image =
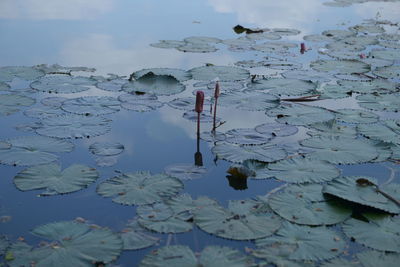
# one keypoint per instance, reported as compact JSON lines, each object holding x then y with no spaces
{"x":54,"y":9}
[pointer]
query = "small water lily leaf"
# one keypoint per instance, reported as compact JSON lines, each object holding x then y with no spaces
{"x":197,"y":48}
{"x":63,"y":84}
{"x":332,"y":128}
{"x":136,"y":237}
{"x":340,"y":149}
{"x":106,"y":161}
{"x":55,"y":180}
{"x":73,"y":126}
{"x":168,"y":44}
{"x":140,"y":103}
{"x":240,"y":221}
{"x":306,"y":243}
{"x":180,"y":75}
{"x":389,"y":44}
{"x":317,"y":38}
{"x":367,"y":28}
{"x":185,"y":171}
{"x":248,"y":100}
{"x":356,"y":116}
{"x":54,"y":101}
{"x":94,"y":245}
{"x":238,"y":154}
{"x":223,"y":73}
{"x":301,"y":115}
{"x":55,"y":68}
{"x":384,"y":102}
{"x":363,"y":40}
{"x":33,"y":150}
{"x":387,"y":131}
{"x":387,"y":72}
{"x":179,"y":255}
{"x":7,"y":74}
{"x":155,"y":84}
{"x":386,"y":54}
{"x":305,"y":204}
{"x":154,"y":212}
{"x":340,"y":66}
{"x":373,"y":258}
{"x":106,"y":149}
{"x":204,"y":118}
{"x":43,"y":112}
{"x":284,"y":86}
{"x":186,"y":103}
{"x":20,"y":254}
{"x":338,"y":34}
{"x":380,"y":232}
{"x":247,"y":136}
{"x":140,"y":188}
{"x":286,"y":31}
{"x":341,"y":262}
{"x":92,"y":105}
{"x":114,"y":85}
{"x":349,"y":189}
{"x":11,"y":103}
{"x":303,"y":170}
{"x":341,"y":46}
{"x":365,"y":87}
{"x":276,"y":129}
{"x":4,"y":243}
{"x":307,"y":75}
{"x":202,"y":40}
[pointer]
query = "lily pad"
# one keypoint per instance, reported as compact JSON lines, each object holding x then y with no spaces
{"x":73,"y":126}
{"x":106,"y":149}
{"x":278,"y":86}
{"x":332,"y":128}
{"x":247,"y":136}
{"x":55,"y":180}
{"x":179,"y":255}
{"x":317,"y":38}
{"x":11,"y":103}
{"x":301,"y":115}
{"x":184,"y":171}
{"x":4,"y":86}
{"x":136,"y":237}
{"x":140,"y":103}
{"x":248,"y":100}
{"x":238,"y":154}
{"x":381,"y":86}
{"x":340,"y":66}
{"x":140,"y":188}
{"x":374,"y":258}
{"x":223,"y":73}
{"x":168,"y":44}
{"x":338,"y":34}
{"x":4,"y":243}
{"x":180,"y":75}
{"x":204,"y":118}
{"x":387,"y":72}
{"x":63,"y":84}
{"x":7,"y":74}
{"x":92,"y":105}
{"x":387,"y":131}
{"x":240,"y":221}
{"x":380,"y":232}
{"x":386,"y":54}
{"x":276,"y":129}
{"x":186,"y":103}
{"x":155,"y":84}
{"x":384,"y":102}
{"x":356,"y":116}
{"x":340,"y":149}
{"x":307,"y":75}
{"x":197,"y":48}
{"x":306,"y":243}
{"x":348,"y":188}
{"x":43,"y":112}
{"x":33,"y":150}
{"x":305,"y":204}
{"x":54,"y":101}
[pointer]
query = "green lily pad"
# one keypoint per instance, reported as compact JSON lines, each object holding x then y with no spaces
{"x":341,"y":46}
{"x":332,"y":128}
{"x":303,"y":170}
{"x":387,"y":131}
{"x":240,"y":221}
{"x":43,"y":112}
{"x":92,"y":105}
{"x":180,"y":75}
{"x":248,"y":100}
{"x":114,"y":85}
{"x":223,"y":73}
{"x":367,"y":28}
{"x":305,"y":204}
{"x":307,"y":75}
{"x":168,"y":44}
{"x":33,"y":150}
{"x":375,"y":258}
{"x":340,"y":149}
{"x":301,"y":115}
{"x":338,"y":34}
{"x":21,"y":254}
{"x":197,"y":48}
{"x":106,"y":149}
{"x":63,"y":84}
{"x":140,"y":188}
{"x":247,"y":136}
{"x":305,"y":243}
{"x":317,"y":38}
{"x":355,"y":116}
{"x":375,"y":86}
{"x":384,"y":102}
{"x":387,"y":72}
{"x":136,"y":237}
{"x":186,"y":103}
{"x":386,"y":54}
{"x":280,"y":86}
{"x":140,"y":103}
{"x":340,"y":66}
{"x":211,"y":256}
{"x":276,"y":129}
{"x":11,"y":103}
{"x":4,"y":243}
{"x":380,"y":232}
{"x":348,"y":189}
{"x":184,"y":171}
{"x":55,"y":180}
{"x":238,"y":154}
{"x":7,"y":74}
{"x":155,"y":84}
{"x":74,"y":126}
{"x":4,"y":86}
{"x":54,"y":101}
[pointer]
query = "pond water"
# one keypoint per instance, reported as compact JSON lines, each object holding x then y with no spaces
{"x":114,"y":36}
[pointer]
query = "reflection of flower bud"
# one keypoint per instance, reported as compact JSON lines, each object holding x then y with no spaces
{"x":216,"y":92}
{"x":302,"y":48}
{"x":199,"y":101}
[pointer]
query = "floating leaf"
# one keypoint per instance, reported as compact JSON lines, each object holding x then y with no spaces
{"x":197,"y":48}
{"x":63,"y":84}
{"x":186,"y":103}
{"x":179,"y":255}
{"x":338,"y":34}
{"x":364,"y":87}
{"x":4,"y":86}
{"x":74,"y":126}
{"x":92,"y":105}
{"x":184,"y":171}
{"x":285,"y":31}
{"x":386,"y":54}
{"x":239,"y":222}
{"x":106,"y":149}
{"x":276,"y":129}
{"x":168,"y":44}
{"x":380,"y":232}
{"x":7,"y":74}
{"x":43,"y":112}
{"x":136,"y":237}
{"x":140,"y":103}
{"x":340,"y":149}
{"x":307,"y":75}
{"x":247,"y":136}
{"x":332,"y":128}
{"x":387,"y":131}
{"x":305,"y":204}
{"x":340,"y":66}
{"x":300,"y":114}
{"x":385,"y":102}
{"x":140,"y":188}
{"x":204,"y":118}
{"x":180,"y":75}
{"x":114,"y":85}
{"x":306,"y":243}
{"x":303,"y":170}
{"x":106,"y":161}
{"x":11,"y":103}
{"x":347,"y":188}
{"x":238,"y":154}
{"x":387,"y":72}
{"x":356,"y":116}
{"x":248,"y":100}
{"x":278,"y":86}
{"x":155,"y":84}
{"x":55,"y":180}
{"x":33,"y":150}
{"x":317,"y":38}
{"x":54,"y":101}
{"x":4,"y":243}
{"x":223,"y":73}
{"x":374,"y":258}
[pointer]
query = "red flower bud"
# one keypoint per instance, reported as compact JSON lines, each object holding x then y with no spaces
{"x":216,"y":92}
{"x":199,"y":101}
{"x":362,"y":56}
{"x":303,"y":48}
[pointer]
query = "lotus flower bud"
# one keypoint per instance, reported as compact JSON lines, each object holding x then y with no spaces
{"x":199,"y":101}
{"x":216,"y":92}
{"x":302,"y":48}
